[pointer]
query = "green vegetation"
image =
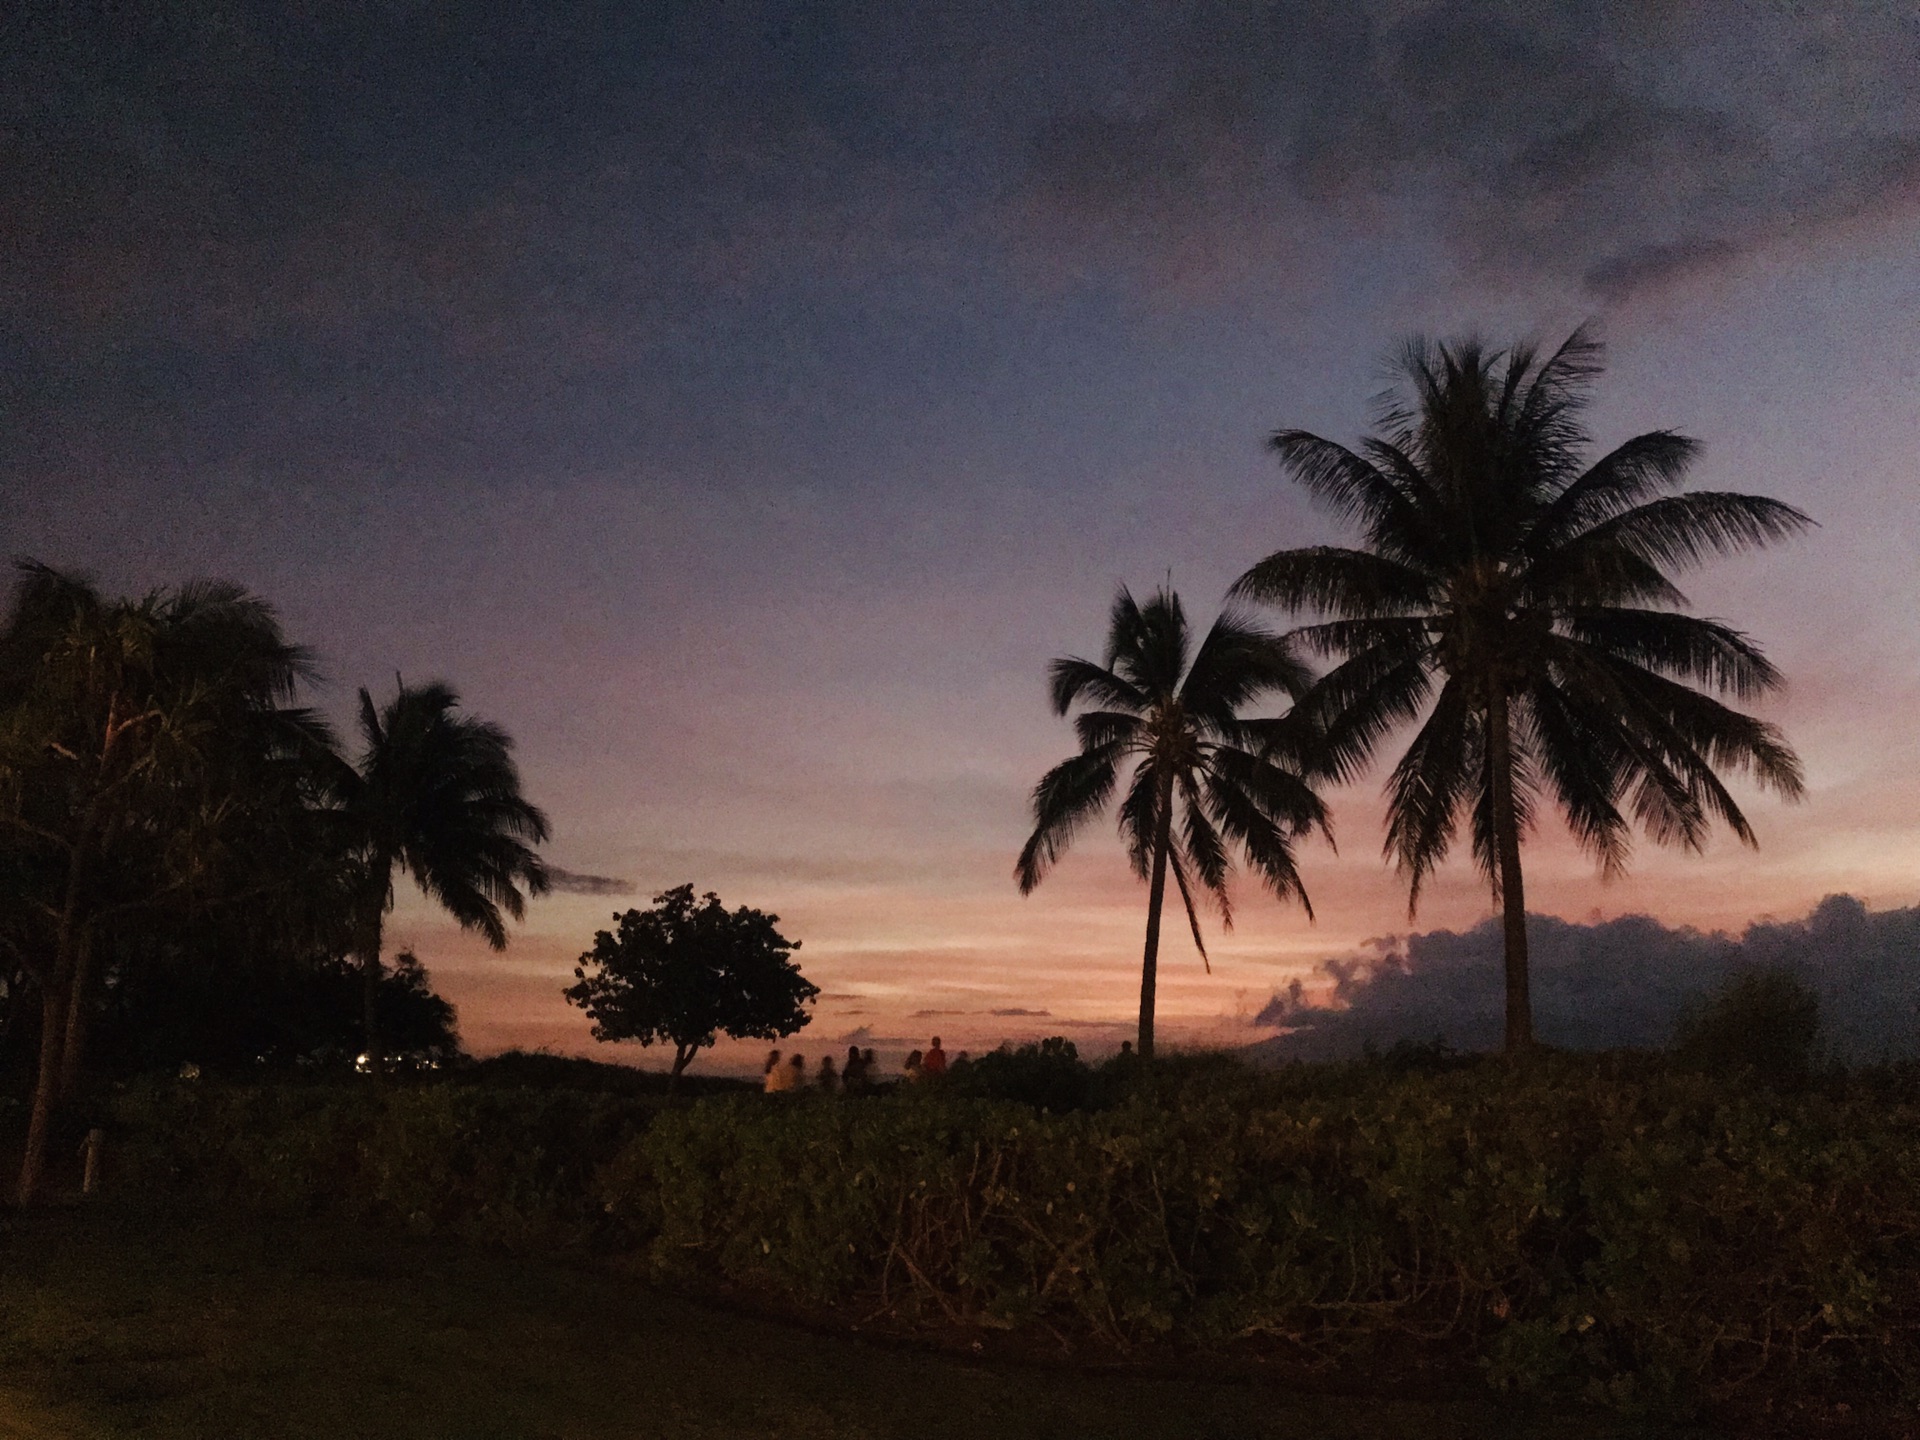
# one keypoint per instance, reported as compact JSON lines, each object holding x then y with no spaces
{"x":1615,"y":1229}
{"x":1522,"y":600}
{"x":1176,"y":714}
{"x":189,"y":867}
{"x":1765,"y":1022}
{"x":170,"y":1327}
{"x":682,"y":973}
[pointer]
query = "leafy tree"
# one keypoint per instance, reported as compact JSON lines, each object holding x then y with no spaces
{"x":1520,"y":598}
{"x":435,"y":794}
{"x":131,"y":732}
{"x":1176,"y":714}
{"x":210,"y":999}
{"x":684,"y":973}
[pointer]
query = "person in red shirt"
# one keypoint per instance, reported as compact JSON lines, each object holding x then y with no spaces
{"x":934,"y":1062}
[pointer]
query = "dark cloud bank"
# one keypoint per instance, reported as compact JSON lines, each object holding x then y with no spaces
{"x":1618,"y":983}
{"x":570,"y":882}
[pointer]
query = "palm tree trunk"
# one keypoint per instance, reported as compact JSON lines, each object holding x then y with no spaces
{"x":1513,"y":897}
{"x":73,"y":1053}
{"x":370,"y":993}
{"x":1156,"y":895}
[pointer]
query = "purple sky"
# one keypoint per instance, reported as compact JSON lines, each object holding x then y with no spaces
{"x":742,"y":404}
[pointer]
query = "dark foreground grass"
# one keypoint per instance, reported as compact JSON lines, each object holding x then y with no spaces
{"x":129,"y":1323}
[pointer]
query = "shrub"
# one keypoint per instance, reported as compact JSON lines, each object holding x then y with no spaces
{"x":509,"y":1167}
{"x":1615,"y":1225}
{"x":1046,"y":1076}
{"x":1764,"y":1020}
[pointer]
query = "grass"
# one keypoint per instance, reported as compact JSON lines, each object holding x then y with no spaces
{"x":118,"y":1322}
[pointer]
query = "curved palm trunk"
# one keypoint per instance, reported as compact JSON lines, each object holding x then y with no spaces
{"x":1513,"y":898}
{"x":1156,"y":896}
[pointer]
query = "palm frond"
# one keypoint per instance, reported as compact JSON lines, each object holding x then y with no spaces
{"x":1352,"y":584}
{"x":1681,"y":647}
{"x":1068,"y":795}
{"x":1179,"y":868}
{"x":1429,"y":786}
{"x":1237,"y":664}
{"x":1072,"y":679}
{"x":1629,"y":474}
{"x":1682,"y":530}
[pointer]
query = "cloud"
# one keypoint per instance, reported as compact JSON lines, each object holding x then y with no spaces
{"x":1017,"y":1010}
{"x":570,"y":882}
{"x":1615,"y":147}
{"x":1614,"y":983}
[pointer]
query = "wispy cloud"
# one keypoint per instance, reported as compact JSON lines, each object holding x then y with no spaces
{"x":572,"y":882}
{"x":1614,"y":146}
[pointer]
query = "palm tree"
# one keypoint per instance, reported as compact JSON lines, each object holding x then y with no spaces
{"x":436,"y":794}
{"x":121,"y":723}
{"x":1521,"y":598}
{"x":1176,"y":713}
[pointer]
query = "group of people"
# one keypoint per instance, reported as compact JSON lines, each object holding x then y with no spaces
{"x":856,"y":1075}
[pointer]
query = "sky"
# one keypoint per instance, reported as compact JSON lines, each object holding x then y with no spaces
{"x":742,"y":403}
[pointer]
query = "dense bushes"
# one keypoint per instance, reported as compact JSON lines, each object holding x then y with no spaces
{"x":504,"y":1166}
{"x":1614,"y":1225}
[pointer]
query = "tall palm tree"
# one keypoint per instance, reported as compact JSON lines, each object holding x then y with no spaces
{"x":1176,"y":714}
{"x":436,"y":794}
{"x":1521,"y":598}
{"x":120,"y":722}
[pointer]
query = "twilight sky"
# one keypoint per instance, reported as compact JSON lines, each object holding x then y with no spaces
{"x":742,"y":403}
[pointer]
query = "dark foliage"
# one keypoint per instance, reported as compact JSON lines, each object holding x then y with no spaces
{"x":686,"y":972}
{"x":230,"y":1014}
{"x":1615,"y":1227}
{"x":1048,"y":1076}
{"x":1761,"y":1022}
{"x":537,"y":1070}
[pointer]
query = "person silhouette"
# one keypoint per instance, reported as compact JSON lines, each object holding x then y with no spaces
{"x":772,"y":1076}
{"x":853,"y":1072}
{"x":825,"y":1077}
{"x":934,"y":1062}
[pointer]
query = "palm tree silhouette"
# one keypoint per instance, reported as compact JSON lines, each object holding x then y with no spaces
{"x":1523,"y":602}
{"x":132,"y":733}
{"x":1181,"y":723}
{"x":436,"y":794}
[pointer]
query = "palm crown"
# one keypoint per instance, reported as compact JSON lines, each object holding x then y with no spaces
{"x":1521,"y":600}
{"x":437,"y":794}
{"x":1175,"y":713}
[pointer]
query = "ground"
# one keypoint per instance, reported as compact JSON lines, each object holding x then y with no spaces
{"x":124,"y":1323}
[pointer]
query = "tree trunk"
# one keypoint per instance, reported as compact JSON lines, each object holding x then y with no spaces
{"x":55,"y":991}
{"x":1156,"y":895}
{"x":1513,"y":897}
{"x":73,"y":1052}
{"x":682,"y":1057}
{"x":53,"y":1015}
{"x":370,"y":994}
